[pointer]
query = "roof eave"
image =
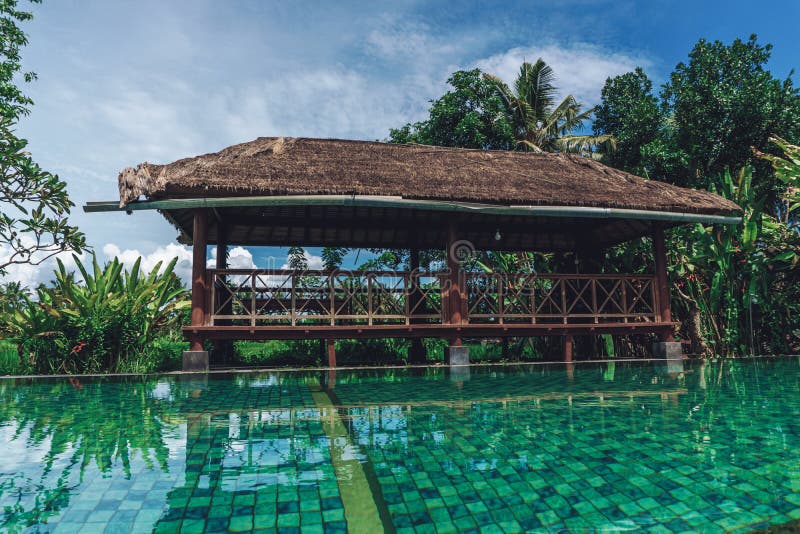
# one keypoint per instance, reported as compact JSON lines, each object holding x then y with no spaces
{"x":399,"y":202}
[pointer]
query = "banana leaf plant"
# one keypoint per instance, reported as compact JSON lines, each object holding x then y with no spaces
{"x":98,"y":322}
{"x":721,"y":272}
{"x":787,"y":170}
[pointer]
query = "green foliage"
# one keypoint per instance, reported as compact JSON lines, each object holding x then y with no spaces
{"x":9,"y":359}
{"x":538,"y":124}
{"x":724,"y":101}
{"x":12,"y":295}
{"x":738,"y":285}
{"x":164,"y":353}
{"x":470,"y":116}
{"x":725,"y":271}
{"x":297,"y":258}
{"x":332,"y":257}
{"x":13,"y":102}
{"x":107,"y":321}
{"x":364,"y":352}
{"x":278,"y":353}
{"x":34,"y":204}
{"x":632,"y":113}
{"x":787,"y":171}
{"x":714,"y":109}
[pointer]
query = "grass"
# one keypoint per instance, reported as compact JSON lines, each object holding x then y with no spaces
{"x":374,"y":352}
{"x":9,"y":358}
{"x":163,"y":354}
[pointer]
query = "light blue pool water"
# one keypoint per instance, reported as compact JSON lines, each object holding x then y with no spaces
{"x":614,"y":446}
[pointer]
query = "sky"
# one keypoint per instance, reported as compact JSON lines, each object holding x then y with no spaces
{"x":130,"y":81}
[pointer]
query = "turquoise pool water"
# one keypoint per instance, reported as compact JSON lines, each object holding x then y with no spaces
{"x":615,"y":446}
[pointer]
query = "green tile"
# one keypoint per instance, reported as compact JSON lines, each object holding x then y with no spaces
{"x":241,"y":523}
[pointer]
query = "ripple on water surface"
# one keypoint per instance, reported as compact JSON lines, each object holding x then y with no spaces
{"x":705,"y":446}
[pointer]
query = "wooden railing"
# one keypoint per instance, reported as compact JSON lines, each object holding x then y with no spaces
{"x":560,"y":298}
{"x":286,"y":297}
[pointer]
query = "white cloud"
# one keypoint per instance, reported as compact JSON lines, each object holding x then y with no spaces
{"x":189,"y":78}
{"x":321,"y":102}
{"x":183,"y":268}
{"x":580,"y":69}
{"x":238,"y":258}
{"x":403,"y":41}
{"x":32,"y":275}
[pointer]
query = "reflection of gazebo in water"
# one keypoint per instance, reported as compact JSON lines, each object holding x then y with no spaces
{"x":311,"y":192}
{"x":321,"y":445}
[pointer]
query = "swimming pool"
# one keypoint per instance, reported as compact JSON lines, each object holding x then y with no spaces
{"x":700,"y":446}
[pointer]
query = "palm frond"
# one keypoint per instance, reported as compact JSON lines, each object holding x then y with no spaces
{"x":534,"y":84}
{"x":587,"y":144}
{"x":528,"y":146}
{"x":565,"y":118}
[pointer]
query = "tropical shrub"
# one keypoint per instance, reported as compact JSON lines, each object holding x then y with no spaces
{"x":106,"y":321}
{"x":731,"y":276}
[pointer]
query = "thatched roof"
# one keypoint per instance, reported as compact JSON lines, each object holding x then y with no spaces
{"x":277,"y":166}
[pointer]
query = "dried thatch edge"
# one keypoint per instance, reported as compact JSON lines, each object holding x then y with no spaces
{"x":135,"y":182}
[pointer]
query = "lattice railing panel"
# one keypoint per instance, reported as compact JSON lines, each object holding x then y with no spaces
{"x":283,"y":297}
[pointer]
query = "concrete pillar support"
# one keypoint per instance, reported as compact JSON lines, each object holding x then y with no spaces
{"x":667,"y":350}
{"x":195,"y":361}
{"x":457,"y":355}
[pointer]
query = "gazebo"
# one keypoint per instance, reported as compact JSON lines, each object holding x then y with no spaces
{"x":326,"y":192}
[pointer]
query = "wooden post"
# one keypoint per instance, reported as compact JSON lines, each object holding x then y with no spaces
{"x":568,"y":348}
{"x":416,"y":353}
{"x":223,"y":346}
{"x":199,"y":242}
{"x":662,"y":281}
{"x":454,"y":294}
{"x":222,"y":247}
{"x":331,"y":352}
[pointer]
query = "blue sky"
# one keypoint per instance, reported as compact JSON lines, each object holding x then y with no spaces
{"x":131,"y":81}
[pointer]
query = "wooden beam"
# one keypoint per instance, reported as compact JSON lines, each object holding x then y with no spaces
{"x":446,"y":331}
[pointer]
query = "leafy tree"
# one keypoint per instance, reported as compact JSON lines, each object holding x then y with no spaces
{"x":724,"y":102}
{"x":297,"y":258}
{"x":332,"y":257}
{"x":34,"y":204}
{"x":632,"y":112}
{"x":715,"y":107}
{"x":12,"y":295}
{"x":470,"y":116}
{"x":539,"y":125}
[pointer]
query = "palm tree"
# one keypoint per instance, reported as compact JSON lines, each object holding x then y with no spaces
{"x":12,"y":295}
{"x":539,"y":124}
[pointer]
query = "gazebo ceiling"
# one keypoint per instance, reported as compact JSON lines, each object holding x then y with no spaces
{"x":392,"y":227}
{"x":315,"y":192}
